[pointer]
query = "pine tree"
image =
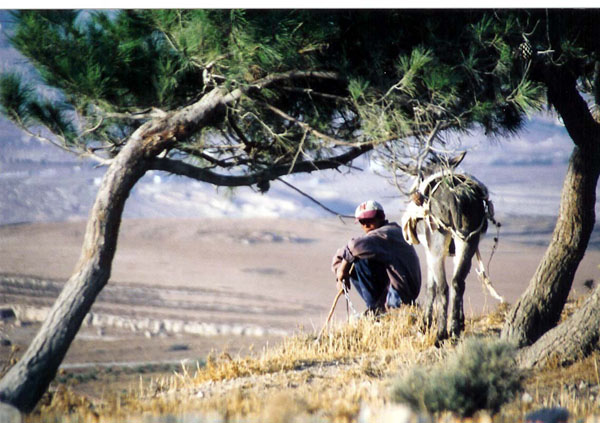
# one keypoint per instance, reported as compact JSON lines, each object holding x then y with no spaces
{"x":241,"y":98}
{"x":559,"y":50}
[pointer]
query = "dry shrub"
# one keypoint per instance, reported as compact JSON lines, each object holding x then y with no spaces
{"x":64,"y":405}
{"x":479,"y":375}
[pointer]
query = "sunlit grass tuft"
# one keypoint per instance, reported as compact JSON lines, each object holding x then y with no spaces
{"x":330,"y":377}
{"x":395,"y":333}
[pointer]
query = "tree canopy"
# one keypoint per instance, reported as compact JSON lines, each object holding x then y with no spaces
{"x":316,"y":84}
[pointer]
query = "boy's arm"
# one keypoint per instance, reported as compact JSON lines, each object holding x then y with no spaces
{"x":341,"y":268}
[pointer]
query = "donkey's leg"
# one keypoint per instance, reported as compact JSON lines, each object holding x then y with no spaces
{"x":431,"y":291}
{"x":424,"y":235}
{"x":437,"y":251}
{"x":462,"y":266}
{"x":441,"y":306}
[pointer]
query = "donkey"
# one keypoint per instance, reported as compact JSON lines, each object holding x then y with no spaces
{"x":448,"y":214}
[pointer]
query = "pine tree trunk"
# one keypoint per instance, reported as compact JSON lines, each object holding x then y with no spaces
{"x":539,"y":308}
{"x":574,"y":338}
{"x":28,"y":379}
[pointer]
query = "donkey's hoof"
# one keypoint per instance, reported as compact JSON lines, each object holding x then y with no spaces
{"x":455,"y":333}
{"x":425,"y":324}
{"x":440,"y":338}
{"x":453,"y":339}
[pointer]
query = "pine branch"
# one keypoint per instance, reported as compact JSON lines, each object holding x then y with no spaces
{"x":90,"y":130}
{"x":226,"y":163}
{"x":151,"y":113}
{"x":248,"y":145}
{"x":305,"y":126}
{"x":427,"y":149}
{"x":311,"y":92}
{"x":82,"y":153}
{"x":279,"y":77}
{"x":185,"y":169}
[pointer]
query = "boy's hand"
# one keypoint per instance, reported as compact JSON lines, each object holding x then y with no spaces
{"x":343,"y":275}
{"x":340,"y":284}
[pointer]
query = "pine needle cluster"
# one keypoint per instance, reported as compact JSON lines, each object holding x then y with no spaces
{"x":372,"y":79}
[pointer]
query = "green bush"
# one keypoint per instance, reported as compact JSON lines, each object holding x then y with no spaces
{"x":479,"y":375}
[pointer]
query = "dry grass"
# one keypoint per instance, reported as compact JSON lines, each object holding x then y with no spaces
{"x":330,"y":377}
{"x":350,"y":368}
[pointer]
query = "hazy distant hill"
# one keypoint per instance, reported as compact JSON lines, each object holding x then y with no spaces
{"x":16,"y":146}
{"x":39,"y":182}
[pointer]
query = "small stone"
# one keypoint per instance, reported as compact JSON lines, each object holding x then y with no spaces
{"x":9,"y":414}
{"x":7,"y":313}
{"x":179,"y":347}
{"x":526,"y":398}
{"x":548,"y":415}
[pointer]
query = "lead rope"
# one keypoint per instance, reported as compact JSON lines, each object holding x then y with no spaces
{"x":349,"y":305}
{"x":355,"y":313}
{"x":490,"y":215}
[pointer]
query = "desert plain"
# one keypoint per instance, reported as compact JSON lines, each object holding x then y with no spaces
{"x":183,"y":288}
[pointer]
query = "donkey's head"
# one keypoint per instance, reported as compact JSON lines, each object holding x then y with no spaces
{"x":442,"y":163}
{"x":434,"y":164}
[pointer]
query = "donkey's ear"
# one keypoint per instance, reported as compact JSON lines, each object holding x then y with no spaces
{"x":455,"y":161}
{"x":408,"y":169}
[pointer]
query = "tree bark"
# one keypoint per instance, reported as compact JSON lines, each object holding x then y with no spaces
{"x":540,"y":306}
{"x":28,"y":379}
{"x":574,"y":338}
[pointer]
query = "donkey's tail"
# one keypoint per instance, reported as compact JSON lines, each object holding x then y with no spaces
{"x":484,"y":278}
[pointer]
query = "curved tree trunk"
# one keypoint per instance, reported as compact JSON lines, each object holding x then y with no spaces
{"x":27,"y":380}
{"x":539,"y":308}
{"x":576,"y":337}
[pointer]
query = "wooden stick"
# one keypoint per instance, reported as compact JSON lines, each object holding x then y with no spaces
{"x":337,"y":297}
